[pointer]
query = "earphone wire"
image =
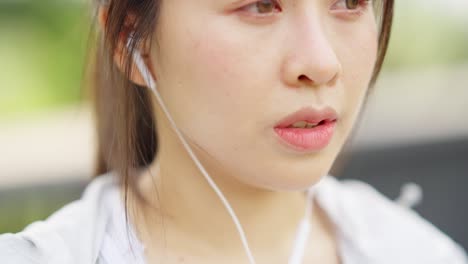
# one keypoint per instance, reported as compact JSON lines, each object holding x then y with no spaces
{"x":138,"y":60}
{"x":303,"y":231}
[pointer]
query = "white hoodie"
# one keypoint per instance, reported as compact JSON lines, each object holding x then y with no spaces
{"x":370,"y":229}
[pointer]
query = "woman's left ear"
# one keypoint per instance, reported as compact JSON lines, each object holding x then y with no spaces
{"x":121,"y":50}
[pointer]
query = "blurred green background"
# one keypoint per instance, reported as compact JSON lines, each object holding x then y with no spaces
{"x":43,"y":50}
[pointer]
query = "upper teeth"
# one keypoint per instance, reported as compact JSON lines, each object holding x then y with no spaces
{"x":303,"y":124}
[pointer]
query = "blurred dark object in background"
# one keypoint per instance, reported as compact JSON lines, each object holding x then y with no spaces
{"x":441,"y":169}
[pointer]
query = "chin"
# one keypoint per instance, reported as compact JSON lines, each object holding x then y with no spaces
{"x":293,"y":180}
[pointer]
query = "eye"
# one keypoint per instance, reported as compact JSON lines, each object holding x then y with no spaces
{"x":351,"y":4}
{"x":263,"y":7}
{"x":351,"y":7}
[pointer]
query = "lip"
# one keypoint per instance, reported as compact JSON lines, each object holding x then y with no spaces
{"x":310,"y":115}
{"x":306,"y":140}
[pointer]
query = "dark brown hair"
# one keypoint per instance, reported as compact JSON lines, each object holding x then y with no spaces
{"x":126,"y":129}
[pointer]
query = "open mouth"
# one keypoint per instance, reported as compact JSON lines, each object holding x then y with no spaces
{"x":308,"y":118}
{"x":308,"y":129}
{"x":305,"y":124}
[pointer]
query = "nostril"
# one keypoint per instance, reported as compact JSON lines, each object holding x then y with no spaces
{"x":304,"y":78}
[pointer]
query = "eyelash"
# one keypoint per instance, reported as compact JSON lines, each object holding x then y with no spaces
{"x":275,"y":2}
{"x":362,"y":7}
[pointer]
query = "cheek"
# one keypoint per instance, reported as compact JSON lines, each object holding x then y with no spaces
{"x":221,"y":73}
{"x":216,"y":63}
{"x":357,"y":50}
{"x":358,"y":54}
{"x":208,"y":82}
{"x":198,"y":68}
{"x":217,"y":78}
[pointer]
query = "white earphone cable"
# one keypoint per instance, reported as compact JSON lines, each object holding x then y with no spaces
{"x":303,"y":231}
{"x":152,"y":85}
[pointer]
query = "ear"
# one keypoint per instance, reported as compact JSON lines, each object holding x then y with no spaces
{"x":121,"y":49}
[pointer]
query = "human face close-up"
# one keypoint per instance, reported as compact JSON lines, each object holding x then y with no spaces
{"x":231,"y":71}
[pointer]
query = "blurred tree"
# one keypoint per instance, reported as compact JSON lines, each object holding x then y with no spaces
{"x":43,"y":50}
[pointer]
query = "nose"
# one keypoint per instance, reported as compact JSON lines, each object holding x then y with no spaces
{"x":311,"y":59}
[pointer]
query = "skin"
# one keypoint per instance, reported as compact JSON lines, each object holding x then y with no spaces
{"x":227,"y":75}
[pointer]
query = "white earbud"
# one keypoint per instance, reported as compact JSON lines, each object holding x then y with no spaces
{"x":411,"y":195}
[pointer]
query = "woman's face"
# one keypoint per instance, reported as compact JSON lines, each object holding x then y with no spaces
{"x":229,"y":71}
